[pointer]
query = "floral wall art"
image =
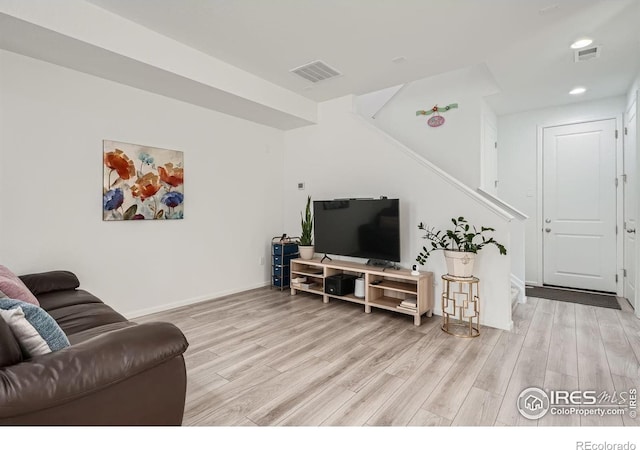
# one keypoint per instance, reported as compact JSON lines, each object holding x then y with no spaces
{"x":142,"y":183}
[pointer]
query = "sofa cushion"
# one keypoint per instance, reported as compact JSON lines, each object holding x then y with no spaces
{"x":14,"y":288}
{"x":60,"y":299}
{"x":84,"y":316}
{"x":34,"y":329}
{"x":58,"y":280}
{"x":97,"y":331}
{"x":10,"y":352}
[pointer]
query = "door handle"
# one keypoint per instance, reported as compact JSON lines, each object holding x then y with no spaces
{"x":548,"y":230}
{"x":631,"y":230}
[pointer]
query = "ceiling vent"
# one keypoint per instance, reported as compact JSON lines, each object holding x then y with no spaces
{"x":316,"y":71}
{"x":585,"y":54}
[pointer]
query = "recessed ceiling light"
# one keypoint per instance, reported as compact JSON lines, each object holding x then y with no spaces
{"x":578,"y":91}
{"x":581,"y":43}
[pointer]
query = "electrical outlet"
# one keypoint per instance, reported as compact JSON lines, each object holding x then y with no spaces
{"x":261,"y":260}
{"x":301,"y":186}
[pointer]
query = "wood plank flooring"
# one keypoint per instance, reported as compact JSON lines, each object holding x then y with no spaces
{"x":264,"y":357}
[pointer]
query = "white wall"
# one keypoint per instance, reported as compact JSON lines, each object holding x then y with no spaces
{"x":369,"y":104}
{"x":635,"y":87}
{"x":344,"y":156}
{"x":455,"y":146}
{"x":488,"y":152}
{"x":517,"y":162}
{"x":53,"y":123}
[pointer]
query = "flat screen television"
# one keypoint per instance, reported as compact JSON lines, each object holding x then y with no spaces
{"x":362,"y":228}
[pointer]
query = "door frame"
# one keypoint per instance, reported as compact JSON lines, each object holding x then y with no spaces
{"x":637,"y":299}
{"x":634,"y":105}
{"x":619,"y":198}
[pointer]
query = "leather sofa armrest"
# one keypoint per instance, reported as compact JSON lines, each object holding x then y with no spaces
{"x":57,"y":280}
{"x":56,"y":378}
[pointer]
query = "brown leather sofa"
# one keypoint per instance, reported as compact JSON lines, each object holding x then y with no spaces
{"x":115,"y":372}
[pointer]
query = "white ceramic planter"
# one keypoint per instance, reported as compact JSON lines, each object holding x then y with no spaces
{"x":306,"y":251}
{"x":459,"y":264}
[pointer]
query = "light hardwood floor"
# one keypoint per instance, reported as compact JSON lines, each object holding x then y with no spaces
{"x":264,"y":357}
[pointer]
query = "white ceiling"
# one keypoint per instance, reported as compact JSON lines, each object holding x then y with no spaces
{"x":524,"y":43}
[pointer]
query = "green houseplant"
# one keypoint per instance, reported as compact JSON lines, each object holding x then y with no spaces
{"x":306,"y":238}
{"x":460,"y":245}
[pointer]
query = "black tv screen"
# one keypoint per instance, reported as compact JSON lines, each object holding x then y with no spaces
{"x":362,"y":228}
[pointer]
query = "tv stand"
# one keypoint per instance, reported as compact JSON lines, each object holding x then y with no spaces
{"x":326,"y":257}
{"x":383,"y":290}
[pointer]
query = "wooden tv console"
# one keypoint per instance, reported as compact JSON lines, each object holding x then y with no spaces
{"x":383,"y":288}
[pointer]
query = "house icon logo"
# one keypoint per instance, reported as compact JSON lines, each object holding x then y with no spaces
{"x":533,"y":403}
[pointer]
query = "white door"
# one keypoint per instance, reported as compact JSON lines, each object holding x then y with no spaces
{"x":630,"y":202}
{"x":579,"y":205}
{"x":490,"y":159}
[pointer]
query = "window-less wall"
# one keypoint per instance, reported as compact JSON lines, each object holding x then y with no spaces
{"x":455,"y":147}
{"x":53,"y":121}
{"x":517,"y":162}
{"x":344,"y":156}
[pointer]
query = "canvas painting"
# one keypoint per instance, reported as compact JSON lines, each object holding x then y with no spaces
{"x":142,"y":183}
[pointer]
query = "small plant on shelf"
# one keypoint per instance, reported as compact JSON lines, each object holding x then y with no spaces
{"x":306,"y":221}
{"x":459,"y":243}
{"x":306,"y":238}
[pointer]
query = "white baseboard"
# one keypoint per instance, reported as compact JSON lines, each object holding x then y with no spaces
{"x":190,"y":301}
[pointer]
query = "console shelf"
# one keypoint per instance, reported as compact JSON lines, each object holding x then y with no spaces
{"x":310,"y":290}
{"x":307,"y":274}
{"x":398,"y":286}
{"x":390,"y":303}
{"x":384,"y":288}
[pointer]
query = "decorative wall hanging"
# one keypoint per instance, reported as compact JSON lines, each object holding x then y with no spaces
{"x":437,"y":119}
{"x":141,"y":182}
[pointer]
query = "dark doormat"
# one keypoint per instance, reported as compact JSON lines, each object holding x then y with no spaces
{"x":565,"y":295}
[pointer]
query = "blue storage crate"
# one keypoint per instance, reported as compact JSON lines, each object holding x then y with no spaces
{"x":285,"y":249}
{"x":284,"y":260}
{"x":280,"y":281}
{"x":281,"y":270}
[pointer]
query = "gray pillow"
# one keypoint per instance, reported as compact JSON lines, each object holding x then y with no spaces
{"x":35,"y":330}
{"x":10,"y":351}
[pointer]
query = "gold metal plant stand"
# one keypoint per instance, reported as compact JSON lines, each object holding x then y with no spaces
{"x":460,"y":298}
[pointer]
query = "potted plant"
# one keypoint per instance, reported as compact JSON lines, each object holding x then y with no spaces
{"x":305,"y":244}
{"x":460,"y":245}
